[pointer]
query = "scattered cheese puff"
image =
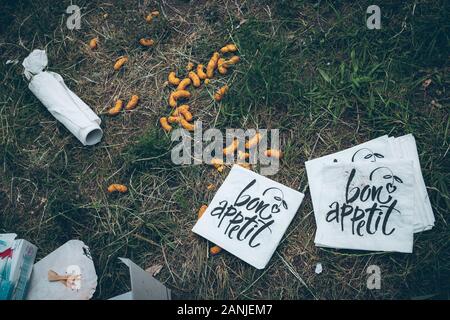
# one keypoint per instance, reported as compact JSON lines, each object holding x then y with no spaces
{"x":215,"y":250}
{"x":221,"y":67}
{"x":179,"y":94}
{"x":243,"y":155}
{"x":211,"y":187}
{"x":218,"y":164}
{"x":173,"y":80}
{"x":188,"y":126}
{"x":132,"y":103}
{"x":201,"y":211}
{"x":273,"y":153}
{"x":146,"y":42}
{"x":245,"y":165}
{"x":93,"y":43}
{"x":228,"y":48}
{"x":165,"y":125}
{"x":201,"y":74}
{"x":173,"y":119}
{"x":212,"y":64}
{"x":176,"y":113}
{"x":206,"y":81}
{"x":186,"y":114}
{"x":220,"y":93}
{"x":120,"y":62}
{"x":231,"y":148}
{"x":232,"y":61}
{"x":115,"y":187}
{"x":195,"y":79}
{"x":253,"y":141}
{"x":190,"y":66}
{"x":114,"y":111}
{"x":184,"y":84}
{"x":151,"y":15}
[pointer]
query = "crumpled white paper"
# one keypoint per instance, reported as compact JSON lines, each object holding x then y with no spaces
{"x":61,"y":102}
{"x":73,"y":257}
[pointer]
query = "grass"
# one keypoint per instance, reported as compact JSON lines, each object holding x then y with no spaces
{"x":309,"y":68}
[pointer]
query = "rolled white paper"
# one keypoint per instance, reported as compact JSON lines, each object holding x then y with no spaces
{"x":61,"y":102}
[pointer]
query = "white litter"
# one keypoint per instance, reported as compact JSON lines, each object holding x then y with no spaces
{"x":319,"y":268}
{"x":61,"y":102}
{"x":143,"y":285}
{"x":72,"y":258}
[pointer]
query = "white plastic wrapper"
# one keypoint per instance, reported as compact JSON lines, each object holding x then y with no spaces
{"x":72,"y":258}
{"x":61,"y":102}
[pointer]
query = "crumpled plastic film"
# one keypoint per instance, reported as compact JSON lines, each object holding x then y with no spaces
{"x":61,"y":102}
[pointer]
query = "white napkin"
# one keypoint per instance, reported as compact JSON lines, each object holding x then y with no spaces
{"x":249,"y":215}
{"x":374,"y":151}
{"x":366,"y":206}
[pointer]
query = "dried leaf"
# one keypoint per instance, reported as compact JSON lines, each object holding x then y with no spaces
{"x":154,"y":270}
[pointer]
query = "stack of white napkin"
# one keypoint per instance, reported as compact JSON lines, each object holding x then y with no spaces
{"x":371,"y":196}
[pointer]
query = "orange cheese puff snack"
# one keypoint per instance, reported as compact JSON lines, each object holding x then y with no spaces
{"x":221,"y":66}
{"x":176,"y":113}
{"x":184,"y":84}
{"x":218,"y":164}
{"x":173,"y":119}
{"x":132,"y":103}
{"x":186,"y":114}
{"x":210,"y":187}
{"x":120,"y":62}
{"x":231,"y":148}
{"x":115,"y":187}
{"x":206,"y":81}
{"x":151,"y":15}
{"x":93,"y":43}
{"x":215,"y":250}
{"x":146,"y":42}
{"x":201,"y":211}
{"x":243,"y":155}
{"x":245,"y":165}
{"x":201,"y":74}
{"x":228,"y":48}
{"x":190,"y":66}
{"x":194,"y":78}
{"x":114,"y":111}
{"x":232,"y":60}
{"x":179,"y":94}
{"x":173,"y":80}
{"x":165,"y":125}
{"x":253,"y":141}
{"x":220,"y":93}
{"x":273,"y":153}
{"x":188,"y":126}
{"x":212,"y":64}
